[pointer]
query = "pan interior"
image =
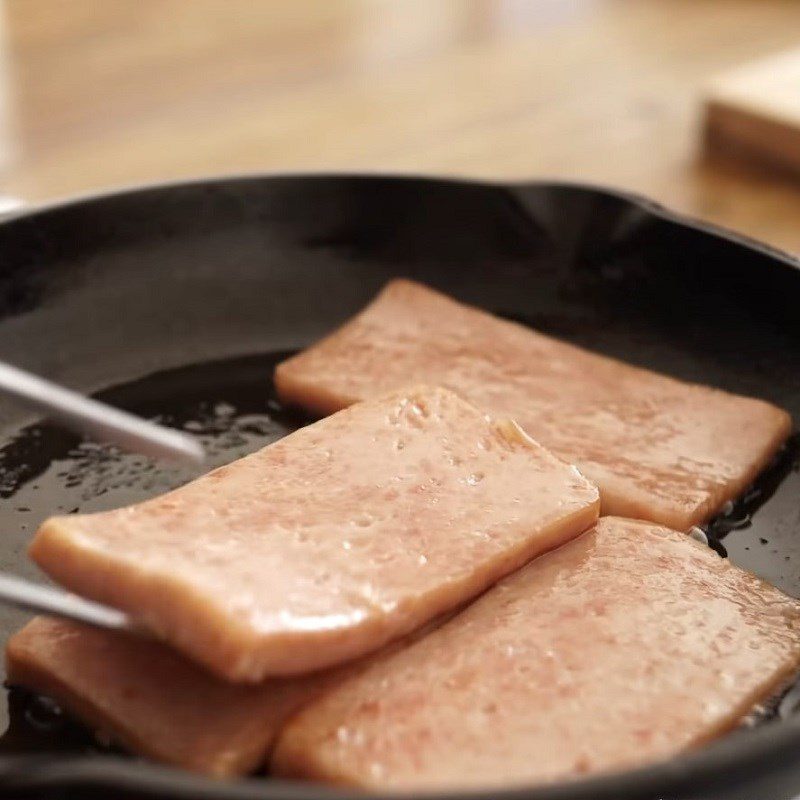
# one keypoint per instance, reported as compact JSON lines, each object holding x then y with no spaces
{"x":231,"y":407}
{"x":202,"y":288}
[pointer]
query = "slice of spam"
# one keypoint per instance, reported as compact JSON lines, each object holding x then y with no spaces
{"x":331,"y":542}
{"x":153,"y":702}
{"x":625,"y":646}
{"x":150,"y":700}
{"x":659,"y":449}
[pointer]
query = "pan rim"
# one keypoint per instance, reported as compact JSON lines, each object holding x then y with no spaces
{"x":721,"y":765}
{"x":655,"y":208}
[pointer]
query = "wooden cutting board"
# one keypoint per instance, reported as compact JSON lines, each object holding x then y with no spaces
{"x":754,"y":111}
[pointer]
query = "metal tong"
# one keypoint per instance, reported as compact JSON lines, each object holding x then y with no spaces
{"x":102,"y":422}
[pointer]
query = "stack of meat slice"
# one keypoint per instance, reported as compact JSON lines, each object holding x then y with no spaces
{"x":319,"y":549}
{"x":319,"y":580}
{"x":331,"y":542}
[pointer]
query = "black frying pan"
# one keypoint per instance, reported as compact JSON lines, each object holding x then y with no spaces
{"x":177,"y":300}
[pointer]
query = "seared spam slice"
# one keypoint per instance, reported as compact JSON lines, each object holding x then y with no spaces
{"x":152,"y":701}
{"x":325,"y":545}
{"x":658,"y":448}
{"x":625,"y":646}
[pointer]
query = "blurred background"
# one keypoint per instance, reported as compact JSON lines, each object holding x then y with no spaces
{"x":95,"y":95}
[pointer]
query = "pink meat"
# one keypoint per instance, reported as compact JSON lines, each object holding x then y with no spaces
{"x":659,"y":449}
{"x":150,"y":700}
{"x":335,"y":540}
{"x":153,"y":702}
{"x":627,"y":645}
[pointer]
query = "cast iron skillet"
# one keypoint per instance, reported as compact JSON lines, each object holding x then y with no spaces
{"x":176,"y":301}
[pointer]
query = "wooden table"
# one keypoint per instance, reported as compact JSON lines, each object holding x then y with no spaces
{"x":98,"y":94}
